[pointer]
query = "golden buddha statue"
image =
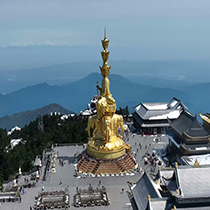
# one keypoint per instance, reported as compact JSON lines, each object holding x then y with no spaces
{"x":105,"y":141}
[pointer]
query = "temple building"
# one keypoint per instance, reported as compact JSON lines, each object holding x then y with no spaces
{"x":91,"y":107}
{"x":187,"y":136}
{"x":179,"y":188}
{"x":150,"y":118}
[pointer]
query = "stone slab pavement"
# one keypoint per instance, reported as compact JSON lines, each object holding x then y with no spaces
{"x":113,"y":184}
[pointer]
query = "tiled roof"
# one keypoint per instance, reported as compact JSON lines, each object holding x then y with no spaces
{"x":166,"y":173}
{"x":142,"y":189}
{"x":145,"y":113}
{"x":160,"y":111}
{"x":189,"y":124}
{"x":157,"y":204}
{"x":189,"y":185}
{"x":193,"y":182}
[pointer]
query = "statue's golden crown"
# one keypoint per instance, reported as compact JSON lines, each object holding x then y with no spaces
{"x":105,"y":43}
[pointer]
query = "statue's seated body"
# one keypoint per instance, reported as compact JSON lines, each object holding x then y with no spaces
{"x":105,"y":129}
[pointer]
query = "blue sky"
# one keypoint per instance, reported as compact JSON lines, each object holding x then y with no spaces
{"x":138,"y":29}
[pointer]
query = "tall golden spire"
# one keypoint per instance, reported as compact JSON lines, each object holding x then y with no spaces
{"x":105,"y":41}
{"x":105,"y":55}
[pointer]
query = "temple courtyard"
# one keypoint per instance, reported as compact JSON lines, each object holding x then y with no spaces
{"x":64,"y":177}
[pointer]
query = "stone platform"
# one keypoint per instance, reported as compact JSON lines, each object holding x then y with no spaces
{"x":87,"y":164}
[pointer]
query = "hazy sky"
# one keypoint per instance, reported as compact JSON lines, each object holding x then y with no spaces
{"x":141,"y":29}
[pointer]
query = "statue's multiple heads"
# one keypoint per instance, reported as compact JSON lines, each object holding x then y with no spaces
{"x":105,"y":43}
{"x":105,"y":72}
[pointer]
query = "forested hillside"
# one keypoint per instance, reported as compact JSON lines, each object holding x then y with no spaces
{"x":24,"y":118}
{"x":39,"y":134}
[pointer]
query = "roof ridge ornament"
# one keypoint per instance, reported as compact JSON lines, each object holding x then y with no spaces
{"x":149,"y":207}
{"x":170,"y":167}
{"x":196,"y":164}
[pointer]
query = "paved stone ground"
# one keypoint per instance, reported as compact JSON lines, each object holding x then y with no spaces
{"x":113,"y":184}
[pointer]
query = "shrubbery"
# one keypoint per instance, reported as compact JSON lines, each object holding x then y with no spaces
{"x":39,"y":134}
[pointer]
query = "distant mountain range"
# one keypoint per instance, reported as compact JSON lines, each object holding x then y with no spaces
{"x":163,"y":74}
{"x":23,"y":118}
{"x":75,"y":96}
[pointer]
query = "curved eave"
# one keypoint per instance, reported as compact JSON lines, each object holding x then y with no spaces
{"x":185,"y":151}
{"x":204,"y":118}
{"x":196,"y":138}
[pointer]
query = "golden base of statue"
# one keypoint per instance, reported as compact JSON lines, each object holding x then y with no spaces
{"x":100,"y":149}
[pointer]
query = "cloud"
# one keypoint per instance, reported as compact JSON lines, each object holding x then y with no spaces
{"x":32,"y":44}
{"x":38,"y":44}
{"x":42,"y":37}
